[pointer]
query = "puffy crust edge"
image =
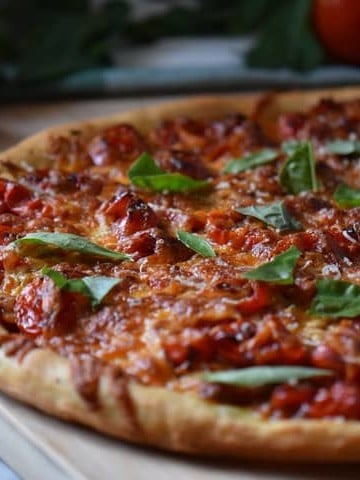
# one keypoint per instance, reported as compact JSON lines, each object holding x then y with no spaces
{"x":185,"y":423}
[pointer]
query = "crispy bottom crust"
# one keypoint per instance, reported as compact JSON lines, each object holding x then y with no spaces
{"x":157,"y":416}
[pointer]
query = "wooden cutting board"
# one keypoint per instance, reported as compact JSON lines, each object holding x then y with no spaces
{"x":39,"y":447}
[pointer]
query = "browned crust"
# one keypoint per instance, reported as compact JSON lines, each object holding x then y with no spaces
{"x":157,"y":416}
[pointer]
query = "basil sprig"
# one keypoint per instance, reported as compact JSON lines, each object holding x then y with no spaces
{"x":274,"y":214}
{"x":336,"y":299}
{"x":298,"y":173}
{"x":145,"y":173}
{"x":346,"y":196}
{"x":69,"y":242}
{"x":343,"y":147}
{"x":289,"y":146}
{"x":95,"y":287}
{"x":196,"y":243}
{"x":253,"y":160}
{"x":279,"y":271}
{"x":259,"y":376}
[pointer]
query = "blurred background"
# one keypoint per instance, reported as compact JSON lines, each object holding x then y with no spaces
{"x":56,"y":48}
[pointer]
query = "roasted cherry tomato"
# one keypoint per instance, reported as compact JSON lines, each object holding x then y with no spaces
{"x":337,"y":23}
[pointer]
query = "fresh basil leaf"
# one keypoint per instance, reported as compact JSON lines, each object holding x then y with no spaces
{"x":343,"y":147}
{"x":258,"y":376}
{"x":298,"y":173}
{"x":169,"y":182}
{"x":275,"y":214}
{"x":279,"y":271}
{"x":289,"y":146}
{"x":145,"y":173}
{"x":69,"y":242}
{"x":143,"y":166}
{"x":196,"y":243}
{"x":95,"y":287}
{"x":346,"y":196}
{"x":251,"y":161}
{"x":58,"y":278}
{"x":336,"y":299}
{"x":100,"y":286}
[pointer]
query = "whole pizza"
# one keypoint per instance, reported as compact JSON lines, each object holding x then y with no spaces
{"x":187,"y":276}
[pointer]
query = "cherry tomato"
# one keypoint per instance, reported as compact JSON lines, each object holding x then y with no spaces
{"x":337,"y":24}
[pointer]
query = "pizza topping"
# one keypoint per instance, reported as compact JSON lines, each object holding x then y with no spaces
{"x":343,"y":147}
{"x":258,"y":376}
{"x":298,"y":173}
{"x":275,"y":214}
{"x":131,"y":213}
{"x":38,"y":309}
{"x":196,"y":243}
{"x":346,"y":196}
{"x":280,"y":270}
{"x":65,"y":241}
{"x":145,"y":173}
{"x":251,"y":161}
{"x":187,"y":162}
{"x":95,"y":287}
{"x":336,"y":299}
{"x":120,"y":143}
{"x":286,"y":264}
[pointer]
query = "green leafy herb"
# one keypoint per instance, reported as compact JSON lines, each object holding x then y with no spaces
{"x":298,"y":172}
{"x":251,"y":161}
{"x":258,"y":376}
{"x":346,"y":196}
{"x":279,"y":271}
{"x":343,"y":147}
{"x":274,"y":214}
{"x":336,"y":299}
{"x":145,"y":173}
{"x":95,"y":287}
{"x":196,"y":243}
{"x":69,"y":242}
{"x":144,"y":166}
{"x":286,"y":38}
{"x":289,"y":146}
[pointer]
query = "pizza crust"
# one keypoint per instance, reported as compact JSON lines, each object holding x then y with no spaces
{"x":186,"y":423}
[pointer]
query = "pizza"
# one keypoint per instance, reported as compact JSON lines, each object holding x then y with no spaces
{"x":187,"y":276}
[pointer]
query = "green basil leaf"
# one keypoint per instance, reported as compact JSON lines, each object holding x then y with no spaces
{"x":289,"y":146}
{"x":169,"y":182}
{"x":279,"y":271}
{"x":145,"y":173}
{"x":298,"y":173}
{"x":95,"y":287}
{"x":69,"y":242}
{"x":258,"y":376}
{"x":58,"y":278}
{"x":251,"y":161}
{"x":143,"y":166}
{"x":196,"y":243}
{"x":274,"y":214}
{"x":343,"y":147}
{"x":100,"y":286}
{"x":346,"y":196}
{"x":336,"y":299}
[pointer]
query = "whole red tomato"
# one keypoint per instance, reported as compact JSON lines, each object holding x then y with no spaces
{"x":337,"y":23}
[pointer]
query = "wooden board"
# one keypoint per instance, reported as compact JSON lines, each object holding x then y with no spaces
{"x":39,"y":447}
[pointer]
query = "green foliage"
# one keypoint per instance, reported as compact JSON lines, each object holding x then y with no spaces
{"x":42,"y":40}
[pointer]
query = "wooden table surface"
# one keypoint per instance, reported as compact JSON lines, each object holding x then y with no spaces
{"x":38,"y":447}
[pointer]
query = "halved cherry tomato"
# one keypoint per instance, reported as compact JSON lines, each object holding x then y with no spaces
{"x":260,"y":298}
